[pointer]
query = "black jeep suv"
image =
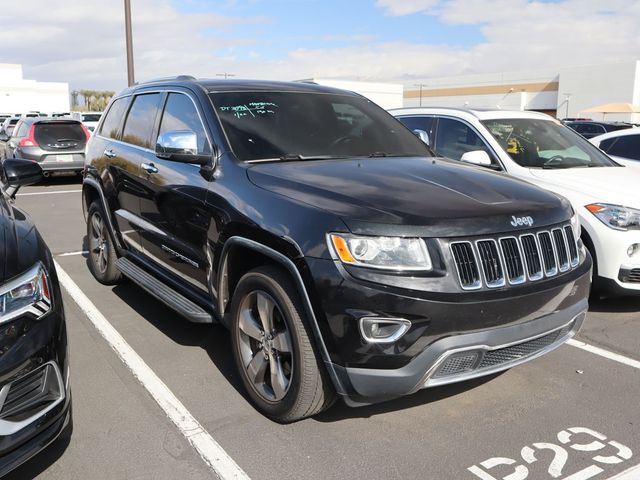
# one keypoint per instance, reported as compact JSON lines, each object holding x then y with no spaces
{"x":344,"y":258}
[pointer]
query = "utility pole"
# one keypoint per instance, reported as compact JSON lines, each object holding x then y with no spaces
{"x":129,"y":40}
{"x":420,"y":85}
{"x":225,"y":75}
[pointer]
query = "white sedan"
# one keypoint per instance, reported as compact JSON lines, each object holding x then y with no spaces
{"x":622,"y":145}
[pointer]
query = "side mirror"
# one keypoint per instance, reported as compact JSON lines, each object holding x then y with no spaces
{"x":477,"y":157}
{"x":17,"y":173}
{"x":180,"y":146}
{"x":422,"y":135}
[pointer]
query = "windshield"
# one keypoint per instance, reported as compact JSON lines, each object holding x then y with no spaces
{"x":91,"y":117}
{"x":533,"y":143}
{"x":299,"y":126}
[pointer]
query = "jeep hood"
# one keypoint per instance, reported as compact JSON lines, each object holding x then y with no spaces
{"x":405,"y":196}
{"x":615,"y":185}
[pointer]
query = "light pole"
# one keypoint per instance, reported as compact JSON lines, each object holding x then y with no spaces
{"x":567,"y":96}
{"x":420,"y":85}
{"x":129,"y":41}
{"x":225,"y":75}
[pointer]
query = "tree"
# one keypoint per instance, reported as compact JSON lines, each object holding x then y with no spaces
{"x":96,"y":100}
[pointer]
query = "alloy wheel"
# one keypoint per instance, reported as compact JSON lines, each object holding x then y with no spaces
{"x":98,"y":245}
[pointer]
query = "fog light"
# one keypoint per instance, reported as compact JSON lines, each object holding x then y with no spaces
{"x":383,"y":330}
{"x":633,"y":249}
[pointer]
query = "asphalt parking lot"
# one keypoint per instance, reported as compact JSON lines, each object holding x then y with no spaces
{"x":572,"y":414}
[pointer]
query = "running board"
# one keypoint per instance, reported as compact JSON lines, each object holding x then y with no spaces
{"x":164,"y":293}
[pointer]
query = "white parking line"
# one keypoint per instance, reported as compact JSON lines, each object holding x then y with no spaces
{"x":604,"y":353}
{"x":210,"y":450}
{"x":48,"y":193}
{"x":632,"y":473}
{"x":70,"y":254}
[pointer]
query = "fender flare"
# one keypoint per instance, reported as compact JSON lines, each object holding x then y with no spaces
{"x":290,"y":267}
{"x":89,"y":182}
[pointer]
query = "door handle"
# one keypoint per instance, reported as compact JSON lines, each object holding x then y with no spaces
{"x":149,"y":168}
{"x":109,"y":153}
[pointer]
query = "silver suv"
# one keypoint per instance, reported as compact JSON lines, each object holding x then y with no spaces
{"x":57,"y":144}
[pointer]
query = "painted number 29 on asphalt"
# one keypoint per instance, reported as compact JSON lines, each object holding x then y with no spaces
{"x":560,"y":457}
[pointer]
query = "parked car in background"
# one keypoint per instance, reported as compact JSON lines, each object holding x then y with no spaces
{"x":6,"y":131}
{"x":35,"y":396}
{"x":538,"y":148}
{"x":90,"y":119}
{"x":57,"y":144}
{"x":622,"y":145}
{"x":344,"y":258}
{"x":589,"y":129}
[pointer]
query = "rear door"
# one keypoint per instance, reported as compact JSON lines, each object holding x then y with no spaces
{"x":173,"y":212}
{"x":130,"y":142}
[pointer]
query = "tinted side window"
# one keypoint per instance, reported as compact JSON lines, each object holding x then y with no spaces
{"x":113,"y":118}
{"x":22,"y":130}
{"x":181,"y":114}
{"x":605,"y":145}
{"x":455,"y":138}
{"x":418,"y":123}
{"x":141,"y":119}
{"x":627,"y":147}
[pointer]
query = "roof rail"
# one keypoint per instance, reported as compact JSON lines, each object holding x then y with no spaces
{"x":181,"y":78}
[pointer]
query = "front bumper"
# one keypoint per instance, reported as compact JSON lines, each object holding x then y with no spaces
{"x":617,"y":271}
{"x":453,"y":337}
{"x":31,"y":421}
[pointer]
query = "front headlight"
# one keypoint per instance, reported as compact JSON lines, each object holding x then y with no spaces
{"x":616,"y":216}
{"x":389,"y":253}
{"x":27,"y":294}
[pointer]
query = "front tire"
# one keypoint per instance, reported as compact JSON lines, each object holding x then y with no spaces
{"x":274,"y":354}
{"x":102,"y":252}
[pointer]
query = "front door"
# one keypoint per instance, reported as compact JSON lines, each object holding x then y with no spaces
{"x":175,"y":233}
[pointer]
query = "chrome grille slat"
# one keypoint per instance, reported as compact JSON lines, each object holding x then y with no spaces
{"x":512,"y":260}
{"x":492,"y":263}
{"x":466,"y":265}
{"x":532,"y":256}
{"x":562,"y":252}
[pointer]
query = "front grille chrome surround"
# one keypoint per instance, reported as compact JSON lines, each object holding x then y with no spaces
{"x":514,"y":260}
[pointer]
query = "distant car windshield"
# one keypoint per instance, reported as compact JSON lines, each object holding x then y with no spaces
{"x":536,"y":143}
{"x":307,"y":126}
{"x":91,"y":117}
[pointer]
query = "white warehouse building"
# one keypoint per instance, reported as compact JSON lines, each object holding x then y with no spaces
{"x":567,"y":92}
{"x":18,"y":95}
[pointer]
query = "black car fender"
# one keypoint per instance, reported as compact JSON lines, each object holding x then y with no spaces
{"x":289,"y":266}
{"x":93,"y":184}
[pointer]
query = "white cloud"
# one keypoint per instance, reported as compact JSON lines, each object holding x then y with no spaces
{"x":406,"y":7}
{"x":84,"y":42}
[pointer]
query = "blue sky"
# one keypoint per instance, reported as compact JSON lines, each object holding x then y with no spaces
{"x":404,"y":41}
{"x":312,"y":24}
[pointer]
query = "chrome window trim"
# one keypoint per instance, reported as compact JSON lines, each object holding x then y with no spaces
{"x":503,"y":281}
{"x":477,"y":285}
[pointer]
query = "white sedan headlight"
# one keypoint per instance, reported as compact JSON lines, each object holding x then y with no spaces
{"x":389,"y":253}
{"x":28,"y":293}
{"x":616,"y":216}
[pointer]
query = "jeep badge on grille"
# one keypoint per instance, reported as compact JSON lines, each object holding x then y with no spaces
{"x":521,"y":221}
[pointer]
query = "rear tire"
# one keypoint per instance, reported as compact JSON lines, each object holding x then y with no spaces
{"x":272,"y":348}
{"x":102,"y":252}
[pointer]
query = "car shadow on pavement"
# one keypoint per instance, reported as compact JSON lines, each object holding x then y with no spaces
{"x":59,"y":180}
{"x":340,"y":411}
{"x":614,"y":305}
{"x":213,"y":339}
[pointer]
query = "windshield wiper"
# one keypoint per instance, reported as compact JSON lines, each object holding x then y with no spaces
{"x":292,"y":157}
